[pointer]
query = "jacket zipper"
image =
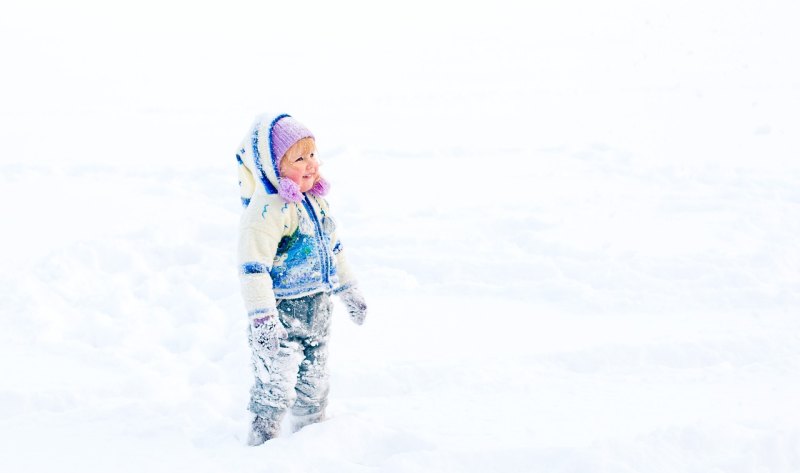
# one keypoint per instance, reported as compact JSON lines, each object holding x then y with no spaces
{"x":320,"y":239}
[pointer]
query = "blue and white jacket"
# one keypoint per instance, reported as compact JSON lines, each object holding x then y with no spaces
{"x":286,"y":249}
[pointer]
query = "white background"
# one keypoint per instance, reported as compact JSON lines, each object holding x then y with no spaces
{"x":574,"y":223}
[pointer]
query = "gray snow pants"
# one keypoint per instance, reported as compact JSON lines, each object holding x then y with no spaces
{"x":296,"y":377}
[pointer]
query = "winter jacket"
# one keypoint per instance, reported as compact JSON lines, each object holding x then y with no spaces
{"x":286,"y":249}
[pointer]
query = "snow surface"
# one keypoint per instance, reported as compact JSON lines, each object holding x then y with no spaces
{"x":575,"y":225}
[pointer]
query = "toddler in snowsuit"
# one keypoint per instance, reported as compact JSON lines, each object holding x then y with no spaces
{"x":291,"y":261}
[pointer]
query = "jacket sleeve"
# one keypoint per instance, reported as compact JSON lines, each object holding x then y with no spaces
{"x":345,"y":274}
{"x":261,"y":231}
{"x":346,"y":278}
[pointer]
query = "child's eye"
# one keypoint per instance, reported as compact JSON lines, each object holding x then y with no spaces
{"x":311,"y":155}
{"x":300,"y":158}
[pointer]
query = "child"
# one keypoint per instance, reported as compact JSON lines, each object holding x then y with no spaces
{"x":290,"y":262}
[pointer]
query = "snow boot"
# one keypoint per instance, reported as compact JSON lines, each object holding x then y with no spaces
{"x":261,"y":430}
{"x":298,"y":422}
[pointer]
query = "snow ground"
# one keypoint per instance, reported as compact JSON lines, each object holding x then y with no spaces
{"x":574,"y":330}
{"x":587,"y":262}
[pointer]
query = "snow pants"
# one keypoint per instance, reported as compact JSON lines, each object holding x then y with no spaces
{"x":296,"y":377}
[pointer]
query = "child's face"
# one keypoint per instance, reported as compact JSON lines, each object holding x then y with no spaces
{"x":300,"y":164}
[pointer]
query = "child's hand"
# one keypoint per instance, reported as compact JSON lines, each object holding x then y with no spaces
{"x":267,"y":335}
{"x":355,"y":303}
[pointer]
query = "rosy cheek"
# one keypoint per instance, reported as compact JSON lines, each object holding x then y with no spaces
{"x":292,"y":175}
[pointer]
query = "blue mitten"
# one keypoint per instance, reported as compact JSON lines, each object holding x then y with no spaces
{"x":267,"y":335}
{"x":355,"y":303}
